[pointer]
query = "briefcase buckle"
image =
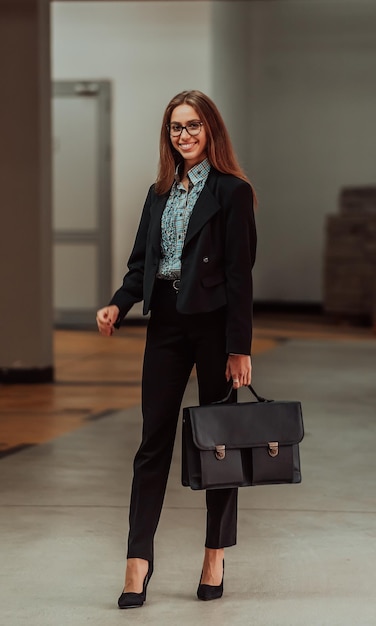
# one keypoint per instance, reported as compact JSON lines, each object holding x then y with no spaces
{"x":220,"y":452}
{"x":273,"y":448}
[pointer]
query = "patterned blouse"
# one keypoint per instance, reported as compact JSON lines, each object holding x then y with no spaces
{"x":176,"y":217}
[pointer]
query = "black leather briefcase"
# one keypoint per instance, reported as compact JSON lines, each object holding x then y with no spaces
{"x":241,"y":444}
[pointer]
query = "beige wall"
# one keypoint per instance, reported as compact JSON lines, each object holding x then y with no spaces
{"x":312,"y":112}
{"x":151,"y":51}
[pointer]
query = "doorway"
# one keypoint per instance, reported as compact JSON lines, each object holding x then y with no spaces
{"x":81,"y":112}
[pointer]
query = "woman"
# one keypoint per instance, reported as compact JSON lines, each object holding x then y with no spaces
{"x":191,"y":265}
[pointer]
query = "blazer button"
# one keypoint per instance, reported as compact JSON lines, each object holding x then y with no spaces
{"x":206,"y":259}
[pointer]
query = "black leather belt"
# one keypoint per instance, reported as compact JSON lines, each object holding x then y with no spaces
{"x":172,"y":282}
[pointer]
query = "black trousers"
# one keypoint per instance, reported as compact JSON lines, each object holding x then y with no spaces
{"x":174,"y":343}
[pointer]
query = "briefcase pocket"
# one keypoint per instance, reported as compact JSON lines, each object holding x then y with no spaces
{"x":279,"y":469}
{"x":221,"y":473}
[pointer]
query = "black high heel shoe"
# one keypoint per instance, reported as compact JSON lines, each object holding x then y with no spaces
{"x":131,"y":600}
{"x":211,"y":592}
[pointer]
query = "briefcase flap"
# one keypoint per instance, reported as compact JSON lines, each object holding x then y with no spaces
{"x":245,"y":425}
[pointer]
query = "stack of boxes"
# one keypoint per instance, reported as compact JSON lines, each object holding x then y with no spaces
{"x":350,"y":256}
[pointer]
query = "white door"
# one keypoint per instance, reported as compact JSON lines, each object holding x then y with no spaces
{"x":81,"y":200}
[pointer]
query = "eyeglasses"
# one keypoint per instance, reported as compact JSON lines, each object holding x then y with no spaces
{"x":192,"y":128}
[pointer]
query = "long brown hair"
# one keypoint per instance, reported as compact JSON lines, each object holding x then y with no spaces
{"x":220,"y":152}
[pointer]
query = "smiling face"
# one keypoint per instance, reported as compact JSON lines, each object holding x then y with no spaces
{"x":191,"y":148}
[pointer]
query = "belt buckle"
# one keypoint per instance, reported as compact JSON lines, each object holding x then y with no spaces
{"x":176,"y":284}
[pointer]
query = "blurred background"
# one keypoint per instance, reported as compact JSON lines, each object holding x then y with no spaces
{"x":83,"y":89}
{"x":295,"y":83}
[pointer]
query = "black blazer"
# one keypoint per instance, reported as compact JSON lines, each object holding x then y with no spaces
{"x":217,"y":258}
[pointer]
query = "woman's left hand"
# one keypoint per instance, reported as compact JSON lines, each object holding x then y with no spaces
{"x":239,"y":369}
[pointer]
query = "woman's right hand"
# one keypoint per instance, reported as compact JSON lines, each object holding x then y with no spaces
{"x":106,"y":319}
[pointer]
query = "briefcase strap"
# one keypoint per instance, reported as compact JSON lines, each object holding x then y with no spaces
{"x":251,"y":389}
{"x":258,"y":398}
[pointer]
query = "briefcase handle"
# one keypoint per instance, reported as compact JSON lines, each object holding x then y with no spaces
{"x":251,"y":389}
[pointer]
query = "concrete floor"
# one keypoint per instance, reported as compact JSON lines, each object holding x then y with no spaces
{"x":306,"y":553}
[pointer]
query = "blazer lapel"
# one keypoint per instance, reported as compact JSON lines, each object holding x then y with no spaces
{"x":206,"y":206}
